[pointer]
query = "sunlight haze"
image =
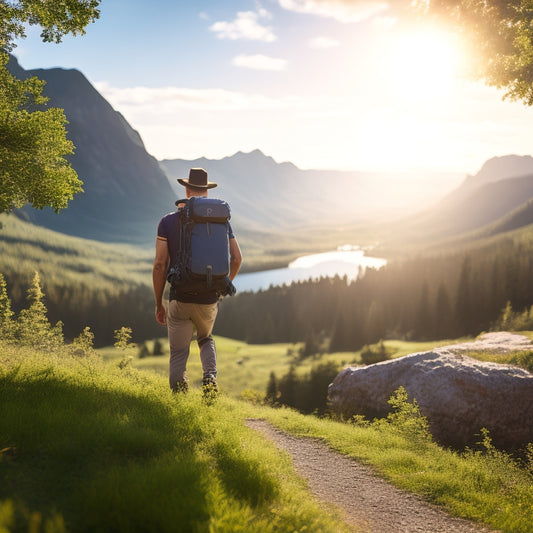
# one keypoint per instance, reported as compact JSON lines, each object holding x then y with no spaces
{"x":323,"y":84}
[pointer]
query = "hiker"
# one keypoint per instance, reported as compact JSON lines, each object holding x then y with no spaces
{"x":187,"y":310}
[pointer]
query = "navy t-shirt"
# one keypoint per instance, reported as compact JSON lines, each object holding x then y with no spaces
{"x":168,"y":230}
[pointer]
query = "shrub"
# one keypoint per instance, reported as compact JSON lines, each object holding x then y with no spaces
{"x":405,"y":417}
{"x":83,"y":344}
{"x":158,"y":347}
{"x":375,"y":353}
{"x":143,"y":351}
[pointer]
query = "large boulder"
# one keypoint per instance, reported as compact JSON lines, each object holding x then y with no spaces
{"x":458,"y":395}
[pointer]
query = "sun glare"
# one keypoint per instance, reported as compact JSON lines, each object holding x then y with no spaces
{"x":423,"y":65}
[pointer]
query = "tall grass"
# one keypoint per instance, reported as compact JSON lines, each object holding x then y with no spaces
{"x":90,"y":447}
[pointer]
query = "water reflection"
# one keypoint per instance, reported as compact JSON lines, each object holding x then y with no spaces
{"x":349,"y":261}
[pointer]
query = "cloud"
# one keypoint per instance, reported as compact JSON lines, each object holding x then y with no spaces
{"x":260,"y":62}
{"x":325,"y":130}
{"x":247,"y":25}
{"x":342,"y":10}
{"x":163,"y":100}
{"x":323,"y":42}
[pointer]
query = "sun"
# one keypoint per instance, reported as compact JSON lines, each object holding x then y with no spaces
{"x":422,"y":65}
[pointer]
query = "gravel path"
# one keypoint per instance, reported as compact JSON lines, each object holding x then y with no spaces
{"x":370,"y":504}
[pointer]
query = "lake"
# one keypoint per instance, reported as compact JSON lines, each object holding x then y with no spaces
{"x":347,"y":261}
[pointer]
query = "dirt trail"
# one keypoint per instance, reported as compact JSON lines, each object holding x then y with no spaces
{"x":370,"y":504}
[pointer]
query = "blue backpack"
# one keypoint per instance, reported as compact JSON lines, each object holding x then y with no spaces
{"x":203,"y":256}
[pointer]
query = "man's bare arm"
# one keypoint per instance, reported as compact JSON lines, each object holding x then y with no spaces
{"x":159,"y":278}
{"x":235,"y":258}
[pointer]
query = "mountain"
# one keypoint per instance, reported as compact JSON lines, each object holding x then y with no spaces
{"x":496,"y":199}
{"x":266,"y":194}
{"x":500,"y":168}
{"x":126,"y":192}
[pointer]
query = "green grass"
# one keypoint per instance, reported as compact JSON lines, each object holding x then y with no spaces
{"x":241,"y":366}
{"x":487,"y":487}
{"x":245,"y":366}
{"x":88,"y":447}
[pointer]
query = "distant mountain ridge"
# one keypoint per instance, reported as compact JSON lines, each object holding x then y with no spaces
{"x":494,"y":200}
{"x":126,"y":193}
{"x":265,"y":193}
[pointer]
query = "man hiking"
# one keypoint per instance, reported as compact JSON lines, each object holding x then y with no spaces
{"x":188,"y":308}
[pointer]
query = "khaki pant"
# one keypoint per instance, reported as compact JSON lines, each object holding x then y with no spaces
{"x":182,"y":318}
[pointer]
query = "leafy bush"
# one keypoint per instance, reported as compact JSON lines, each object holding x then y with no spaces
{"x":406,"y":417}
{"x":510,"y":320}
{"x":375,"y":353}
{"x":307,"y":393}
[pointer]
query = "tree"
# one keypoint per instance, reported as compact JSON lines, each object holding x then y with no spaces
{"x":32,"y":148}
{"x":463,"y":303}
{"x":443,"y":313}
{"x":500,"y":37}
{"x":56,"y":18}
{"x":158,"y":347}
{"x":33,"y":143}
{"x":122,"y":338}
{"x":33,"y":327}
{"x":83,"y":344}
{"x":272,"y":391}
{"x":6,"y":314}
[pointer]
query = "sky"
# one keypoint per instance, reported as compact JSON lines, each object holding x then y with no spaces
{"x":325,"y":84}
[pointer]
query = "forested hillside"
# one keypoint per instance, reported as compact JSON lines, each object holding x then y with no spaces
{"x":434,"y":296}
{"x":86,"y":283}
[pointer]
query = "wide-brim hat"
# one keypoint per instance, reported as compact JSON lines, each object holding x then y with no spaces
{"x":197,"y":179}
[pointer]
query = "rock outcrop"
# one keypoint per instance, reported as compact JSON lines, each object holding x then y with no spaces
{"x":458,"y":395}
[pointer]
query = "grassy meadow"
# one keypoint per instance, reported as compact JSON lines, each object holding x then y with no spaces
{"x":91,"y":443}
{"x":246,"y":367}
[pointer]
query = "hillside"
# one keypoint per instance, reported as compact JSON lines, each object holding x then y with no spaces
{"x":489,"y":202}
{"x":86,"y":283}
{"x":126,"y":193}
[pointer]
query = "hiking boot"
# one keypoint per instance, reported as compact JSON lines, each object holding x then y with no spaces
{"x":181,"y":386}
{"x":209,"y":389}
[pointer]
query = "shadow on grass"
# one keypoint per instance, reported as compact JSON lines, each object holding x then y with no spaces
{"x":104,"y":459}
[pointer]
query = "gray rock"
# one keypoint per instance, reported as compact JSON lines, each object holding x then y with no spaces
{"x":458,"y":395}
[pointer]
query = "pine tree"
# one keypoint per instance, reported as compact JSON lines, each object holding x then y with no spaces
{"x":463,"y":303}
{"x":158,"y":347}
{"x":443,"y":313}
{"x":288,"y":386}
{"x":6,"y":314}
{"x":143,"y":351}
{"x":423,"y":325}
{"x":122,"y":338}
{"x":33,"y":328}
{"x":272,"y":391}
{"x":83,"y":344}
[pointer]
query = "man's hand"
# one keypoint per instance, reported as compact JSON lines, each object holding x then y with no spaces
{"x":160,"y":315}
